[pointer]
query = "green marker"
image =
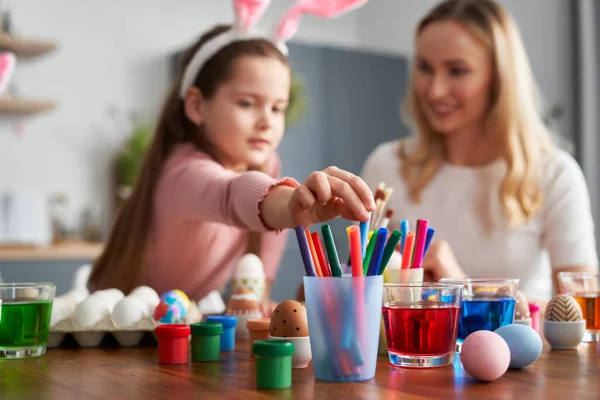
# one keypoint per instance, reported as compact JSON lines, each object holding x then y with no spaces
{"x":370,"y":247}
{"x":336,"y":270}
{"x":389,"y":249}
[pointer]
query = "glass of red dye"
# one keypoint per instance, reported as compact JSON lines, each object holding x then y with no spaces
{"x":421,"y":323}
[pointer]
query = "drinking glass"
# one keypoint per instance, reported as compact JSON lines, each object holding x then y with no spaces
{"x":488,"y":304}
{"x":25,"y":318}
{"x":421,"y":322}
{"x":585,"y":288}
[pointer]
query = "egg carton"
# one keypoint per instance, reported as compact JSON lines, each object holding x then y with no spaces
{"x":93,"y":336}
{"x":89,"y":318}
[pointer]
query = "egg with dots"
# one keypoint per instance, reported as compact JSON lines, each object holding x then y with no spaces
{"x":244,"y":305}
{"x":485,"y":355}
{"x":522,"y":307}
{"x":290,"y":322}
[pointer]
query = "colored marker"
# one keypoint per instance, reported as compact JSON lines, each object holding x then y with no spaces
{"x":334,"y":261}
{"x":419,"y":244}
{"x":404,"y":229}
{"x":390,"y":247}
{"x":377,"y":252}
{"x":305,"y":251}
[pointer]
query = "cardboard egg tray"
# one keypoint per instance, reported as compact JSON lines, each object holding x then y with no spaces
{"x":95,"y":336}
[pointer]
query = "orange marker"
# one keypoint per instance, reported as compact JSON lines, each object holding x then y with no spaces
{"x":313,"y":253}
{"x":408,"y":249}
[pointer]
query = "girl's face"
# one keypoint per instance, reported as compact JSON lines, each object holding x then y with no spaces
{"x":244,"y":120}
{"x":452,"y":78}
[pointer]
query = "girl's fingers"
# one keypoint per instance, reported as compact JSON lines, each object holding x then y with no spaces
{"x":305,"y":197}
{"x":356,"y":183}
{"x":351,"y":200}
{"x":343,"y":211}
{"x":318,"y":183}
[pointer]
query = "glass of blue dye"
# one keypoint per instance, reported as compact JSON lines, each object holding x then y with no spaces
{"x":488,"y":303}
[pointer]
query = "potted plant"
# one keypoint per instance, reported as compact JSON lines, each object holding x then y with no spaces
{"x":129,"y":160}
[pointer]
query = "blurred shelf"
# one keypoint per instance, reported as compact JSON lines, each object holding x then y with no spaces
{"x":61,"y":251}
{"x":24,"y":106}
{"x":27,"y":48}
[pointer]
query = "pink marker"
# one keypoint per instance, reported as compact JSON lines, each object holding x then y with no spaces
{"x":421,"y":237}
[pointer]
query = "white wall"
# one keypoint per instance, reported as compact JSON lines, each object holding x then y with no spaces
{"x":114,"y":54}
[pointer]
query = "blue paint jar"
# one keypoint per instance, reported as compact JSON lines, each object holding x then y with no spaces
{"x":229,"y":323}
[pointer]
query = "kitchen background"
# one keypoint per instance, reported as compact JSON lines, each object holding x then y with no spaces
{"x":91,"y":76}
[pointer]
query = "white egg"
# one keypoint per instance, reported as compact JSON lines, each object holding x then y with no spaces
{"x":395,"y":260}
{"x":73,"y":298}
{"x":128,"y":312}
{"x":61,"y":310}
{"x":90,"y":311}
{"x":146,"y":295}
{"x":112,"y":297}
{"x":250,"y":266}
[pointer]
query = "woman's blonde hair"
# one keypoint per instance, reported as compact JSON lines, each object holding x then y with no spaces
{"x":514,"y":114}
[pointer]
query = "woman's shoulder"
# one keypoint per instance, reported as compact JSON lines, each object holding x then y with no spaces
{"x":559,"y":162}
{"x":562,"y":173}
{"x":385,"y":153}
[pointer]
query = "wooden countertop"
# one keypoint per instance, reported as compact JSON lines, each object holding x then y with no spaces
{"x":63,"y":251}
{"x":133,"y":373}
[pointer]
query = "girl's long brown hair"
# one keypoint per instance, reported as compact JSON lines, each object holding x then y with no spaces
{"x":121,"y":263}
{"x":514,"y":113}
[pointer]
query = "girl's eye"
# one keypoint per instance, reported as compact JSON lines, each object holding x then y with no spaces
{"x":456,"y":71}
{"x":424,"y":68}
{"x":278,"y":110}
{"x":245,"y":103}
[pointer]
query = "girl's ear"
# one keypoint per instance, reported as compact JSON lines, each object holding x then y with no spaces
{"x":194,"y":105}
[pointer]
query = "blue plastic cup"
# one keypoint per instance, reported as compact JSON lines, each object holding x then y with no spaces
{"x":344,"y":315}
{"x":229,"y":323}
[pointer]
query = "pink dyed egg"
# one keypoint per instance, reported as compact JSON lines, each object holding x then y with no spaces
{"x":485,"y":355}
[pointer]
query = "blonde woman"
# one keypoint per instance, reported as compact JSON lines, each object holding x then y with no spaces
{"x":481,"y":167}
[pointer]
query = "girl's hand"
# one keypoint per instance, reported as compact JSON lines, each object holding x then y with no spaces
{"x":439,"y":262}
{"x":328,"y":194}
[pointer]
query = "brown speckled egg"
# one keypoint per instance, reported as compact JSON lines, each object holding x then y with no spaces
{"x":522,"y":307}
{"x":563,"y":308}
{"x":289,"y":320}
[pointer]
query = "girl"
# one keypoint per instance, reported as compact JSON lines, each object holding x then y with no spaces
{"x":481,"y":166}
{"x":201,"y":189}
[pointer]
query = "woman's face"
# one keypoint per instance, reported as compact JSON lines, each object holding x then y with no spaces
{"x":452,"y":78}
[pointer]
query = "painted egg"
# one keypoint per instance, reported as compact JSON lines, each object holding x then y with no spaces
{"x":485,"y":355}
{"x":563,"y":308}
{"x":289,"y":320}
{"x":170,"y":310}
{"x":525,"y":344}
{"x":178,"y":294}
{"x":522,"y":307}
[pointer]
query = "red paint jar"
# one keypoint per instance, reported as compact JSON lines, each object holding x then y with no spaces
{"x":173,"y":343}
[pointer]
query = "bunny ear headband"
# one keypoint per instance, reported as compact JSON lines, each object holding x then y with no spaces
{"x":247,"y":14}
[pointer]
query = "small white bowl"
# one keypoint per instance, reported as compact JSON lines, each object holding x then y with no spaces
{"x":302,"y":353}
{"x":526,"y":322}
{"x":564,"y":335}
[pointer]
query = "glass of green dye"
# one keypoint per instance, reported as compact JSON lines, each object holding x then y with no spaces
{"x":25,"y":318}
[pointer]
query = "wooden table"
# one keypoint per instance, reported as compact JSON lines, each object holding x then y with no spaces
{"x":133,"y":373}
